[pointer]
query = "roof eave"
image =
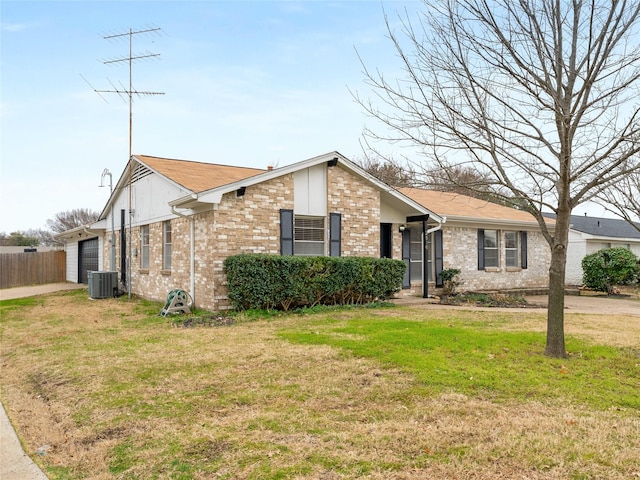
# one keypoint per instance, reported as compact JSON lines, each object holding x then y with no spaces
{"x":95,"y":228}
{"x":214,"y":195}
{"x":496,"y":221}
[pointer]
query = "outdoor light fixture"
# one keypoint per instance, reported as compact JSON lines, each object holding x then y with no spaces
{"x":402,"y":228}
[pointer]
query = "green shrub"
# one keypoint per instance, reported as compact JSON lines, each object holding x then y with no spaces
{"x":606,"y":268}
{"x":257,"y":281}
{"x":450,"y":280}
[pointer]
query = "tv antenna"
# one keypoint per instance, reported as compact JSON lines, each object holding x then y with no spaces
{"x":129,"y":93}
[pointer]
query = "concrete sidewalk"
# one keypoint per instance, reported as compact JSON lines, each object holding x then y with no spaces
{"x":14,"y":463}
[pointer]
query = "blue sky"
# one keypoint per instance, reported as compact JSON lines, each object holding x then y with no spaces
{"x":245,"y":83}
{"x":249,"y":83}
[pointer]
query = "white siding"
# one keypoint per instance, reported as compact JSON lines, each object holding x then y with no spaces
{"x":310,"y":191}
{"x":576,"y":251}
{"x":388,"y":214}
{"x":149,"y":201}
{"x":101,"y":265}
{"x":72,"y":261}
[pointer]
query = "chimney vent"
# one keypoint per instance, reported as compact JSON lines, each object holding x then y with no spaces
{"x":269,"y":167}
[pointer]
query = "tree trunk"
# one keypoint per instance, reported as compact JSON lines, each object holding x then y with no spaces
{"x":555,"y":310}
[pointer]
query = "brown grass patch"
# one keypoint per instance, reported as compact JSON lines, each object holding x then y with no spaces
{"x":117,"y":399}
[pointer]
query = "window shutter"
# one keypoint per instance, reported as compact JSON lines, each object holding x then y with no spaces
{"x":286,"y":232}
{"x":406,"y":257}
{"x":523,"y":250}
{"x":437,"y":247}
{"x":480,"y":249}
{"x":335,"y":234}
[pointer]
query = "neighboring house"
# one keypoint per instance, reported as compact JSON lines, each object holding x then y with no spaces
{"x":187,"y":217}
{"x":590,"y":234}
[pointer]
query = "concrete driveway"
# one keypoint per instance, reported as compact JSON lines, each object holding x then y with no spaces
{"x":33,"y":290}
{"x":598,"y":304}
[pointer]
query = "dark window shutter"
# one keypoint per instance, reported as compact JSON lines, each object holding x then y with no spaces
{"x":480,"y":249}
{"x":437,"y":247}
{"x":523,"y":250}
{"x":406,"y":257}
{"x":335,"y":234}
{"x":286,"y":232}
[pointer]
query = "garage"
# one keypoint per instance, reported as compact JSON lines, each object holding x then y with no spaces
{"x":88,"y":251}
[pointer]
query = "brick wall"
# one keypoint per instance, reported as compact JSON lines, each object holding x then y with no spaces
{"x":359,"y":204}
{"x":155,"y":282}
{"x":460,"y":246}
{"x":247,"y":224}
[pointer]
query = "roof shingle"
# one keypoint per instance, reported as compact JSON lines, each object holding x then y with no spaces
{"x":601,"y":227}
{"x":455,"y":205}
{"x":197,"y":176}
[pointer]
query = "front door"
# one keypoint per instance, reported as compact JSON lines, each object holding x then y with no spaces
{"x":385,"y":241}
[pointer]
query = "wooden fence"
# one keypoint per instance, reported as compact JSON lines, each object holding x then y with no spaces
{"x":33,"y":268}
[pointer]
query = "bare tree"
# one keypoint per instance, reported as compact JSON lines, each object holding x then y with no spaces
{"x":70,"y":219}
{"x":45,"y":237}
{"x":623,"y":199}
{"x":541,"y":95}
{"x":389,"y":171}
{"x":465,"y":180}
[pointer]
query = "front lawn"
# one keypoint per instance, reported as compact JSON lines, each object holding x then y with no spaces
{"x":112,"y":390}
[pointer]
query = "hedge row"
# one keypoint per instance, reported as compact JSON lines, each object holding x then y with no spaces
{"x":257,"y":281}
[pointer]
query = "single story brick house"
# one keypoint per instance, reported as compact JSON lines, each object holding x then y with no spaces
{"x":587,"y":235}
{"x":187,"y":217}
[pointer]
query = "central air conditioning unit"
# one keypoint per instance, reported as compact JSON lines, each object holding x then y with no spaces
{"x":103,"y":284}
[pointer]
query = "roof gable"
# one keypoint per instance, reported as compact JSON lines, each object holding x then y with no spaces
{"x":214,"y":195}
{"x":463,"y":207}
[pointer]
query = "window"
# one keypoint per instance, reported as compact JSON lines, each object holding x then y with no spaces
{"x":144,"y":246}
{"x":166,"y":245}
{"x":489,"y":245}
{"x":491,"y":252}
{"x":511,"y":249}
{"x":309,"y":236}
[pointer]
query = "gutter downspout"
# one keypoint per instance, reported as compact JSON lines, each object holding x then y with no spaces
{"x":192,"y":253}
{"x":425,"y":282}
{"x":437,"y":227}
